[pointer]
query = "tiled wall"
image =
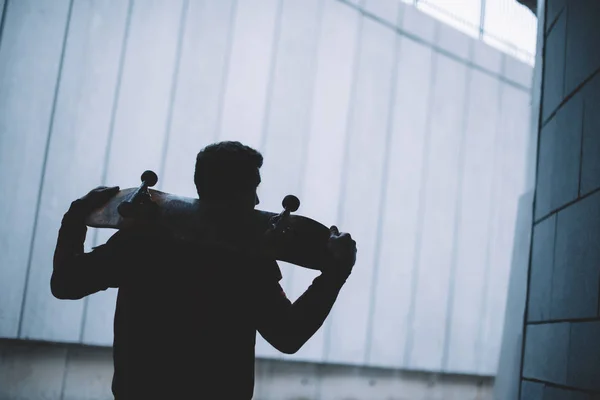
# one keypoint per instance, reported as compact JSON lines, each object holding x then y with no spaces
{"x":562,"y":334}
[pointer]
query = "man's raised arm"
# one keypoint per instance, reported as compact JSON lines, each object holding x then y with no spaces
{"x":288,"y":326}
{"x":77,"y":274}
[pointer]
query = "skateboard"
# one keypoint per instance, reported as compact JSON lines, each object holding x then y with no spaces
{"x":283,"y":236}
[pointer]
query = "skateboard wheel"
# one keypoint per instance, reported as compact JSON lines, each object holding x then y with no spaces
{"x":149,"y":177}
{"x":291,"y":203}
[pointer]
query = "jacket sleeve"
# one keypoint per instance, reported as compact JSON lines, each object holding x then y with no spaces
{"x":77,"y":274}
{"x":288,"y":326}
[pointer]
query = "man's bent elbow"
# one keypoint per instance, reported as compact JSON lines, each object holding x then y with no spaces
{"x":290,"y":347}
{"x":60,"y":290}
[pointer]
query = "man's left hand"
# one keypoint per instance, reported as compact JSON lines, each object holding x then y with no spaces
{"x":96,"y":198}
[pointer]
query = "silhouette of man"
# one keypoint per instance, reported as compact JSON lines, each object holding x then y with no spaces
{"x":187,"y":312}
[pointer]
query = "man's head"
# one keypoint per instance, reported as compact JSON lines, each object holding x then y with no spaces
{"x":227,"y":174}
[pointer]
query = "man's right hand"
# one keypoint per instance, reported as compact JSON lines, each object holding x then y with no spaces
{"x":343,"y":250}
{"x":96,"y":198}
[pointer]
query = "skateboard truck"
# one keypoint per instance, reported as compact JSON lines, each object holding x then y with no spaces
{"x":290,"y":204}
{"x":139,"y":203}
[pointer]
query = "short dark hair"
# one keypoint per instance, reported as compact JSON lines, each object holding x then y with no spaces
{"x":225,"y":169}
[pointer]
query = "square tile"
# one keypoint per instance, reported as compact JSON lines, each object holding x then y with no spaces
{"x":554,"y":68}
{"x":554,"y":393}
{"x":584,"y":356}
{"x":419,"y":24}
{"x":532,"y":390}
{"x":544,"y":179}
{"x":590,"y":162}
{"x":542,"y":263}
{"x":567,"y":152}
{"x":546,"y":352}
{"x":582,"y":38}
{"x":576,"y":271}
{"x":487,"y":57}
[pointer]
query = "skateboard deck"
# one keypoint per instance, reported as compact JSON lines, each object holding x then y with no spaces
{"x":294,"y":238}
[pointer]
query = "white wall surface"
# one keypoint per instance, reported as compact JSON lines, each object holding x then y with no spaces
{"x":397,"y":128}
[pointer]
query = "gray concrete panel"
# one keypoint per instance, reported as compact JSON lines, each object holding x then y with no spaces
{"x":197,"y":99}
{"x":517,"y":71}
{"x":511,"y":162}
{"x":30,"y":58}
{"x":250,"y":63}
{"x":287,"y":118}
{"x":322,"y":180}
{"x":393,"y":288}
{"x":454,"y":41}
{"x":140,"y":124}
{"x":507,"y":377}
{"x":439,"y":190}
{"x":363,"y":174}
{"x":78,"y":139}
{"x":472,"y":227}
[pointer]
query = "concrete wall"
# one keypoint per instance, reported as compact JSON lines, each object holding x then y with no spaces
{"x":33,"y":370}
{"x":561,"y":337}
{"x":395,"y":127}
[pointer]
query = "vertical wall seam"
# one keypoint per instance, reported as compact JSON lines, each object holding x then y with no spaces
{"x":3,"y":21}
{"x":421,"y":207}
{"x":315,"y":67}
{"x":457,"y":211}
{"x":173,"y":94}
{"x":43,"y":169}
{"x":482,"y":19}
{"x":225,"y":75}
{"x":109,"y":139}
{"x":348,"y":128}
{"x":383,"y":190}
{"x":63,"y":384}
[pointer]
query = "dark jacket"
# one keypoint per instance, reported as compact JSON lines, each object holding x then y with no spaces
{"x":187,"y":312}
